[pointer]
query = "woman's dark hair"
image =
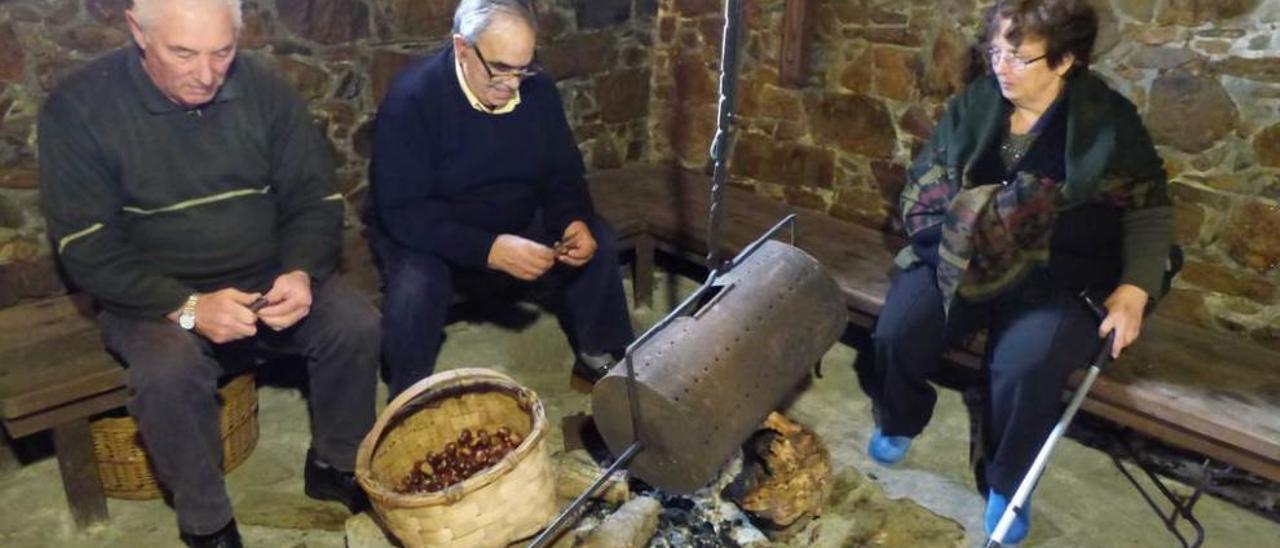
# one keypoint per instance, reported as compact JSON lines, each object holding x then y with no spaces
{"x":1067,"y":26}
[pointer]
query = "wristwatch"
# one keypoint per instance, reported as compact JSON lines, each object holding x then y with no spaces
{"x":187,"y":318}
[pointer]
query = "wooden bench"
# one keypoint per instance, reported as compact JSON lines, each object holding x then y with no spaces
{"x":1206,"y":392}
{"x":55,"y":375}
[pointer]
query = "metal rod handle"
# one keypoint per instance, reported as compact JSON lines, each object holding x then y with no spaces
{"x":1042,"y":458}
{"x":570,"y":513}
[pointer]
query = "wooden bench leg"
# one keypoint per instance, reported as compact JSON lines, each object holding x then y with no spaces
{"x":642,"y":272}
{"x":80,"y":480}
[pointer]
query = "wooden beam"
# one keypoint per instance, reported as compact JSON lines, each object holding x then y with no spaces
{"x":797,"y":34}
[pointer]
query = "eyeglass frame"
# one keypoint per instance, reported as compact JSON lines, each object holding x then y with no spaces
{"x":519,"y":73}
{"x":1015,"y":63}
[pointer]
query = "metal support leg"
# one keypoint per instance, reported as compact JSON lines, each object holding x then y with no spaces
{"x":1183,"y":506}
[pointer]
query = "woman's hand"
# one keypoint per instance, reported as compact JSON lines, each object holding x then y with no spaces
{"x":1124,"y":315}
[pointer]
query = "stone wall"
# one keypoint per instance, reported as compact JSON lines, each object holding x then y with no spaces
{"x":340,"y":54}
{"x":1204,"y":73}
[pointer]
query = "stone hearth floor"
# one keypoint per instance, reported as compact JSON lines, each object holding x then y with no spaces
{"x":927,"y":501}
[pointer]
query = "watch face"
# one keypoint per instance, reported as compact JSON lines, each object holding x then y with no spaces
{"x":187,"y":321}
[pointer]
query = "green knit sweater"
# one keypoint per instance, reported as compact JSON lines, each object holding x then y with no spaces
{"x":1106,"y":149}
{"x":147,"y":202}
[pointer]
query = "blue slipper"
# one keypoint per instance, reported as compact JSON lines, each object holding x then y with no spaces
{"x":887,"y":450}
{"x":996,"y":503}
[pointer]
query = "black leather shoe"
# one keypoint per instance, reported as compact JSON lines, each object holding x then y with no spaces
{"x":226,"y":537}
{"x":324,"y":482}
{"x":594,"y":367}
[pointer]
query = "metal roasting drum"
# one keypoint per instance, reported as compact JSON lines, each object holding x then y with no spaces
{"x":707,"y":381}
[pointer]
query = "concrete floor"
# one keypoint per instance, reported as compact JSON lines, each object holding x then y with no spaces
{"x":927,"y":501}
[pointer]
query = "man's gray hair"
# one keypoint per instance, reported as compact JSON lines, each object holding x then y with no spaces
{"x":473,"y":17}
{"x":145,"y":11}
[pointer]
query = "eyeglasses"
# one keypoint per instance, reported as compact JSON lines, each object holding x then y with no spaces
{"x":501,"y":71}
{"x":995,"y":55}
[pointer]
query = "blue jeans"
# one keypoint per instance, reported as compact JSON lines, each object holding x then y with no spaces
{"x":418,"y":288}
{"x":1033,"y":345}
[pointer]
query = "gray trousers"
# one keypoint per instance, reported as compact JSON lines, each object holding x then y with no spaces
{"x":172,"y":375}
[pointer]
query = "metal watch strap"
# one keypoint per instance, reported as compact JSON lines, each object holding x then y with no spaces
{"x":187,"y":317}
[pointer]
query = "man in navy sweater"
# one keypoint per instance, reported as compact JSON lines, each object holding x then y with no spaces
{"x":475,"y":171}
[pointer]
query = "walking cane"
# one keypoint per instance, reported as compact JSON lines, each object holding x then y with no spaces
{"x":1100,"y":361}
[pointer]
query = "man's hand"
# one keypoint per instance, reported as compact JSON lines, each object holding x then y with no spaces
{"x":224,"y":316}
{"x":577,"y":246}
{"x":288,"y":301}
{"x":520,"y":257}
{"x":1124,"y":314}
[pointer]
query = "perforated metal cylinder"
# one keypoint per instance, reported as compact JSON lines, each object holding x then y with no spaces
{"x":707,"y":381}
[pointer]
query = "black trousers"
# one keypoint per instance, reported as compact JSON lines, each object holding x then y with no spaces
{"x":418,"y":288}
{"x":172,"y":375}
{"x":1033,"y":345}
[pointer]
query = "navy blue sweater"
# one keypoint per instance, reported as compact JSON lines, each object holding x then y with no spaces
{"x":447,"y":179}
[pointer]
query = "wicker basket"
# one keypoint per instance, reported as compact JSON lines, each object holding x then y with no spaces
{"x":123,"y":464}
{"x":508,"y":501}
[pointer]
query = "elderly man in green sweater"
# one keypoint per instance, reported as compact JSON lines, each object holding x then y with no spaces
{"x":188,"y":191}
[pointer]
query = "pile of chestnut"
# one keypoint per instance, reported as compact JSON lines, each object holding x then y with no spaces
{"x":460,"y":460}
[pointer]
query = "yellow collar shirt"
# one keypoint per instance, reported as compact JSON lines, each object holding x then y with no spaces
{"x":475,"y":101}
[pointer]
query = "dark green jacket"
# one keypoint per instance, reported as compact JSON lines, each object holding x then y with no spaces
{"x":147,"y":202}
{"x":1106,"y":147}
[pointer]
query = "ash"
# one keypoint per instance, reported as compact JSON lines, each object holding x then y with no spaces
{"x":704,"y":519}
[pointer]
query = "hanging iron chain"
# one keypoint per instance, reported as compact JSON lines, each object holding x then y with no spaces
{"x":725,"y":119}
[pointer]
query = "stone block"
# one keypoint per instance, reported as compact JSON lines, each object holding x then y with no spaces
{"x":420,"y":18}
{"x":604,"y":154}
{"x":804,"y":198}
{"x":696,"y":83}
{"x":580,"y":54}
{"x":623,"y":95}
{"x":1263,"y":69}
{"x":767,"y":160}
{"x":857,"y":124}
{"x":108,"y":11}
{"x":860,"y":74}
{"x":384,"y":67}
{"x":1164,"y":58}
{"x":599,"y":14}
{"x":1142,"y":10}
{"x":697,"y":7}
{"x":890,"y":177}
{"x":1188,"y":219}
{"x":1189,"y":112}
{"x":917,"y":122}
{"x":898,"y":36}
{"x":1251,"y":236}
{"x":258,"y":27}
{"x":325,"y":21}
{"x":895,"y":72}
{"x":1266,"y":146}
{"x":30,"y":277}
{"x":1185,"y":306}
{"x":94,"y":37}
{"x":758,"y":98}
{"x":947,"y":62}
{"x":1221,"y":279}
{"x":13,"y":63}
{"x":24,"y":175}
{"x":1193,"y":13}
{"x":310,"y":81}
